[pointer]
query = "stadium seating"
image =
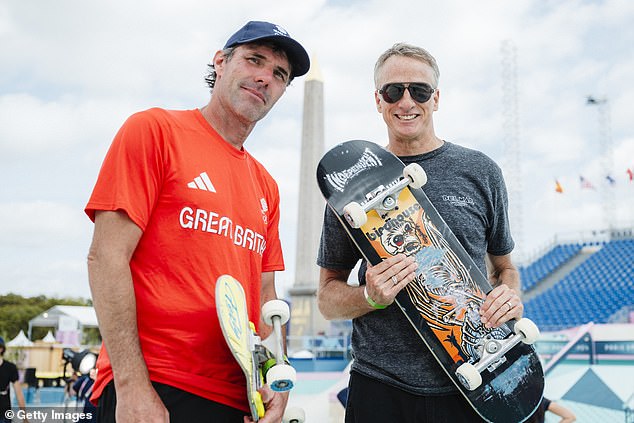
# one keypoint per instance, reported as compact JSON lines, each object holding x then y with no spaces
{"x":593,"y":291}
{"x":546,"y":264}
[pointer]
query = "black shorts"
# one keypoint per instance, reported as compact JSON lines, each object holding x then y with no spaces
{"x":370,"y":401}
{"x":183,"y":407}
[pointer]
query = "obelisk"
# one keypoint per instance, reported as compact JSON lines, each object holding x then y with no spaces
{"x":306,"y":319}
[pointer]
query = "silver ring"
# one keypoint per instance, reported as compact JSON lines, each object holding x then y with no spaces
{"x":394,"y":280}
{"x":508,"y":303}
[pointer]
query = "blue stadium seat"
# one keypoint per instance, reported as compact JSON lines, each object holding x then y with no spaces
{"x":594,"y":291}
{"x":545,"y":265}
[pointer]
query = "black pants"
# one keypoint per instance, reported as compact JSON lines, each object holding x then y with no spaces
{"x":183,"y":407}
{"x":370,"y":401}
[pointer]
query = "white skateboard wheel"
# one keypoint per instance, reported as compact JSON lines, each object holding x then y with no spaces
{"x":469,"y":376}
{"x":417,"y":175}
{"x":281,"y":378}
{"x":275,"y":308}
{"x":294,"y":415}
{"x":355,"y":215}
{"x":528,"y":329}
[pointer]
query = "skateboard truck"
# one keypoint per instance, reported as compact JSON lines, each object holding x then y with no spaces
{"x":281,"y":376}
{"x":492,"y":353}
{"x":383,"y":199}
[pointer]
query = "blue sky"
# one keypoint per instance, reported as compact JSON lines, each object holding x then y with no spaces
{"x":73,"y":70}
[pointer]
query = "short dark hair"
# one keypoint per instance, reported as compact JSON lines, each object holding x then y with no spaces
{"x":210,"y":78}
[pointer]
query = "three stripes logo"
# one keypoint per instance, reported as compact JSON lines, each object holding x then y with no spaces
{"x":202,"y":182}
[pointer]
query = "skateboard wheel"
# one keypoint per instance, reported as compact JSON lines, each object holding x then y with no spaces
{"x":294,"y":415}
{"x":469,"y":376}
{"x":355,"y":214}
{"x":417,"y":175}
{"x":527,"y":329}
{"x":275,"y":308}
{"x":281,"y":378}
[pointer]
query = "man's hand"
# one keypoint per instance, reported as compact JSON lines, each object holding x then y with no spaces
{"x":386,"y":279}
{"x":501,"y":305}
{"x":140,"y":405}
{"x":274,"y":403}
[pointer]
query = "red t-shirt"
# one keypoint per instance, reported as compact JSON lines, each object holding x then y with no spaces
{"x":205,"y":209}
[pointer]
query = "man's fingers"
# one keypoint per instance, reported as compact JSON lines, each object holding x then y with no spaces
{"x":501,"y":305}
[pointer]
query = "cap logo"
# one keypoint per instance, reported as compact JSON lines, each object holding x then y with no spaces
{"x":280,"y":31}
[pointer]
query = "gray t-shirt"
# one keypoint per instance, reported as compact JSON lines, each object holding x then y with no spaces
{"x":468,"y":190}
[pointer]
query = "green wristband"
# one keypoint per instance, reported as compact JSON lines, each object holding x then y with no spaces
{"x":371,"y":301}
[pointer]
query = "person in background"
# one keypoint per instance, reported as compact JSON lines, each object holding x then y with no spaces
{"x":8,"y":377}
{"x":566,"y":415}
{"x":83,"y":389}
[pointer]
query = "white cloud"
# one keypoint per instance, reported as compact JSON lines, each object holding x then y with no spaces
{"x":73,"y":71}
{"x":43,"y":248}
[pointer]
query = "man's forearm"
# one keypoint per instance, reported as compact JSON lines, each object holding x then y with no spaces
{"x":504,"y":271}
{"x":114,"y":300}
{"x":511,"y":278}
{"x":17,"y":387}
{"x":337,"y":300}
{"x":114,"y":242}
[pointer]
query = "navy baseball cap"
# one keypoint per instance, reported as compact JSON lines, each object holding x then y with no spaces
{"x":258,"y":30}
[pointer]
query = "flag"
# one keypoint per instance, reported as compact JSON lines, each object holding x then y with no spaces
{"x":610,"y":179}
{"x":630,"y":174}
{"x":585,"y":184}
{"x":558,"y":187}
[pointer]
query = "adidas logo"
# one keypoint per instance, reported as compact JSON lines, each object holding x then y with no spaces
{"x":202,"y":182}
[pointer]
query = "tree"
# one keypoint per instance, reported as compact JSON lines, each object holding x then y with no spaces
{"x":16,"y":311}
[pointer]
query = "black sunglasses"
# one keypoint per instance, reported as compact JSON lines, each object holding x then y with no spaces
{"x":419,"y":91}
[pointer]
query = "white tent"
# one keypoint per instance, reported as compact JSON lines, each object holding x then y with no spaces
{"x":66,"y":319}
{"x":20,"y":341}
{"x":49,"y":338}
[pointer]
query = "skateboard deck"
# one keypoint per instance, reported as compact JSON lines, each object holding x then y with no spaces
{"x":370,"y":191}
{"x":240,"y":337}
{"x":256,"y":360}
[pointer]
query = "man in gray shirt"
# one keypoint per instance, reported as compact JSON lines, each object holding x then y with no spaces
{"x":394,"y":377}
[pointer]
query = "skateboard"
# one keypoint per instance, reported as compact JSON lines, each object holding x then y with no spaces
{"x":380,"y":203}
{"x":259,"y":360}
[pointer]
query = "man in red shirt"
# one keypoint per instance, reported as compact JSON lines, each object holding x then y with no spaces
{"x":179,"y":202}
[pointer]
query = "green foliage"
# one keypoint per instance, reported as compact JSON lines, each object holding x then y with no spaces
{"x":16,"y":311}
{"x":92,"y":336}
